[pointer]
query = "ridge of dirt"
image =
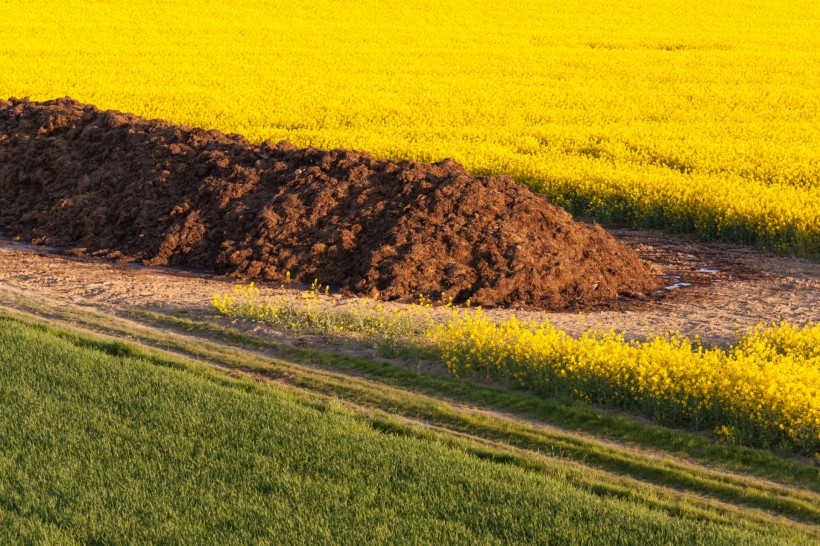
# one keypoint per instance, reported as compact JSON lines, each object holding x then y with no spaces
{"x":115,"y":185}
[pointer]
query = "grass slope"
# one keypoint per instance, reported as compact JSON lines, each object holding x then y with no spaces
{"x":96,"y":446}
{"x":680,"y":473}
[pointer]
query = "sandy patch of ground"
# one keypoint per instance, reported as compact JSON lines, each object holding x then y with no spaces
{"x":717,"y":288}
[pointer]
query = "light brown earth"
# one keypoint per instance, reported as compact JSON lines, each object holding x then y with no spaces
{"x":732,"y":287}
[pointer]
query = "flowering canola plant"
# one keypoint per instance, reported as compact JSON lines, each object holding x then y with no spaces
{"x":696,"y":116}
{"x":762,"y":391}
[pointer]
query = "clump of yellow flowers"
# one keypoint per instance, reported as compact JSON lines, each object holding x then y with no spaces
{"x":762,"y":391}
{"x":697,"y":116}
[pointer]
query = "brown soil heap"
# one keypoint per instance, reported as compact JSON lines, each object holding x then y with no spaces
{"x":120,"y":186}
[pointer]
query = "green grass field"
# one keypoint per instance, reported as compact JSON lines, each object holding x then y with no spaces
{"x":105,"y":441}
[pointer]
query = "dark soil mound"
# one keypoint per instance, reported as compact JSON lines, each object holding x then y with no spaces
{"x":120,"y":186}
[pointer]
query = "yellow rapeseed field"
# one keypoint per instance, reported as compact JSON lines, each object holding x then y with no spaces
{"x":699,"y":116}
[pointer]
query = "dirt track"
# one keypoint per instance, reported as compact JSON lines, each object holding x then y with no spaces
{"x":730,"y":287}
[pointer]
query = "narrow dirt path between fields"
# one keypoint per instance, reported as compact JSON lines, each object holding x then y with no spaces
{"x":709,"y":290}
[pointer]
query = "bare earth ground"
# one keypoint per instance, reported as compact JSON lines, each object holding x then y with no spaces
{"x":717,"y":288}
{"x":215,"y":202}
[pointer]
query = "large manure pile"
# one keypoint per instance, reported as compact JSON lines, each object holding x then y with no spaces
{"x":117,"y":185}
